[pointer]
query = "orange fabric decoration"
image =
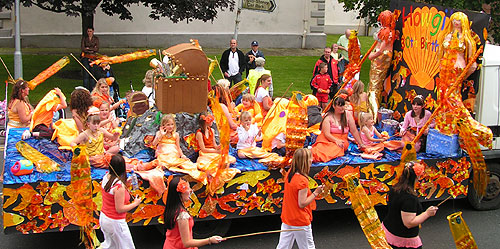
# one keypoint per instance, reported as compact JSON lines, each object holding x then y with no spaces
{"x":183,"y":186}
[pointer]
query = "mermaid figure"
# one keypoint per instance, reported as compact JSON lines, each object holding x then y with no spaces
{"x":381,"y":58}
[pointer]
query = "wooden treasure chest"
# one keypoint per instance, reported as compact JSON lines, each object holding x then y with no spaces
{"x":185,"y":89}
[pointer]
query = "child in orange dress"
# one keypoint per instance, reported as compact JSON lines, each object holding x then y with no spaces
{"x":210,"y":156}
{"x":93,"y":136}
{"x":101,"y":91}
{"x":249,"y":104}
{"x":108,"y":123}
{"x":169,"y":153}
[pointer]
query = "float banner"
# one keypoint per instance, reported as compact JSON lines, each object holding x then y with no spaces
{"x":417,"y":54}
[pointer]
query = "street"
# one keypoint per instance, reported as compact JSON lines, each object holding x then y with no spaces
{"x":331,"y":229}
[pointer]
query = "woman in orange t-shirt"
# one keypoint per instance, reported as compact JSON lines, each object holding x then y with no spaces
{"x":298,"y":203}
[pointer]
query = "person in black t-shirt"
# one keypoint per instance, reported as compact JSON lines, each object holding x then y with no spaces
{"x":401,"y":225}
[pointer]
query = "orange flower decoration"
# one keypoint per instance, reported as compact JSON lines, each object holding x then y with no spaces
{"x":208,"y":118}
{"x":183,"y":186}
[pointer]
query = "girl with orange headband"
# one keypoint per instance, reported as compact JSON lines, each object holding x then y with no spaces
{"x":178,"y":222}
{"x":209,"y":149}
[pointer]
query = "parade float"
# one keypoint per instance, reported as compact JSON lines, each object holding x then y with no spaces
{"x":57,"y":190}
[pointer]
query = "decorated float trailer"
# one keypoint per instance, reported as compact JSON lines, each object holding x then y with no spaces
{"x":70,"y":198}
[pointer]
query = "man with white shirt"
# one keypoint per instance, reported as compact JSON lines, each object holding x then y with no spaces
{"x":232,"y":63}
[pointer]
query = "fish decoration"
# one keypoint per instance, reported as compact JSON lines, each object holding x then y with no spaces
{"x":460,"y":231}
{"x":250,"y":177}
{"x":10,"y":219}
{"x":47,"y":73}
{"x":365,"y":212}
{"x":42,"y":163}
{"x":147,"y":213}
{"x":141,"y":54}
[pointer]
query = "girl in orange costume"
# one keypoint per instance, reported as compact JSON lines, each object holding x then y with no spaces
{"x":249,"y":104}
{"x":93,"y":136}
{"x":298,"y":203}
{"x":101,"y":91}
{"x":107,"y":122}
{"x":19,"y":109}
{"x":169,"y":153}
{"x":209,"y":149}
{"x":332,"y":142}
{"x":178,"y":222}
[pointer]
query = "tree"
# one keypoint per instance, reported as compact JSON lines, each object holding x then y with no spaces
{"x":175,"y":10}
{"x":371,"y":8}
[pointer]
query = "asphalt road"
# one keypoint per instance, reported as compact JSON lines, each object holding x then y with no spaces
{"x":331,"y":229}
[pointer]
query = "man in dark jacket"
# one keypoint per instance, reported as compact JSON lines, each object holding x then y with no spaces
{"x":233,"y":63}
{"x":252,"y":54}
{"x":332,"y":70}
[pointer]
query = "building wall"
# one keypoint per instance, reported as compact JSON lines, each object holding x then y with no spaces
{"x":282,"y":28}
{"x":337,"y":20}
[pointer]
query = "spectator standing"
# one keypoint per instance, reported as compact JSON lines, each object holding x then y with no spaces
{"x":332,"y":70}
{"x":252,"y":55}
{"x":90,"y":47}
{"x":343,"y":44}
{"x":233,"y":63}
{"x":254,"y":74}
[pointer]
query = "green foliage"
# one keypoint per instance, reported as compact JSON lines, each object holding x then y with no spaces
{"x":371,"y":8}
{"x":175,"y":10}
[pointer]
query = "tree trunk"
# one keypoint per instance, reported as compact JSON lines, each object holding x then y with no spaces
{"x":87,"y":13}
{"x":87,"y":21}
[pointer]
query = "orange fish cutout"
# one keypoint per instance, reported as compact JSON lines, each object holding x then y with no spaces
{"x":210,"y":208}
{"x":59,"y":221}
{"x":370,"y":171}
{"x":377,"y":198}
{"x":10,"y":219}
{"x":347,"y":170}
{"x":268,"y":187}
{"x":224,"y":202}
{"x":410,"y":95}
{"x":55,"y":195}
{"x":326,"y":194}
{"x":147,"y":213}
{"x":390,"y":169}
{"x":43,"y":187}
{"x":267,"y":206}
{"x":324,"y":175}
{"x":374,"y":185}
{"x":394,"y":100}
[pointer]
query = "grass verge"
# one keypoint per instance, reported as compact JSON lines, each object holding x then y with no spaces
{"x":286,"y":65}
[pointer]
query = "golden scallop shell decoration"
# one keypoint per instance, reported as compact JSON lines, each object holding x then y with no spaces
{"x":419,"y":41}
